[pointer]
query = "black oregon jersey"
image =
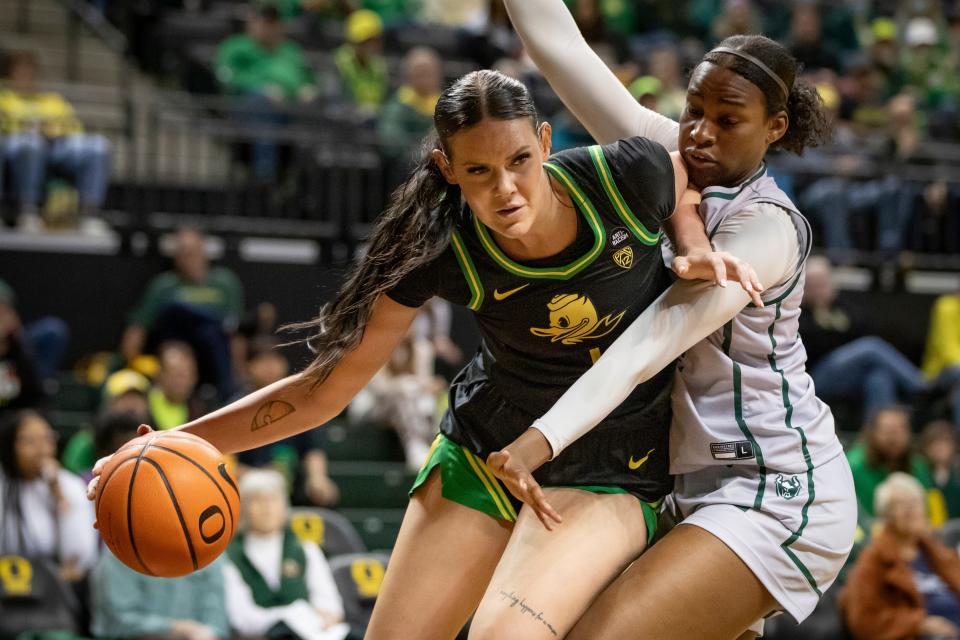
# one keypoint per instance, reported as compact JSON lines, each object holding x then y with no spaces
{"x":544,"y":322}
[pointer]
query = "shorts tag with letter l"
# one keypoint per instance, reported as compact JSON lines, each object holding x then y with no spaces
{"x":741,"y":450}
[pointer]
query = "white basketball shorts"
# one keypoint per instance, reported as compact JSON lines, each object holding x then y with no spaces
{"x":794,"y":531}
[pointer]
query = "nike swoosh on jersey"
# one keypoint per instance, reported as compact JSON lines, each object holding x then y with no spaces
{"x":636,"y":464}
{"x":498,"y":296}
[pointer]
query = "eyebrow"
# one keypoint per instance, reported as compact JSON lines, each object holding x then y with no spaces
{"x":516,"y":153}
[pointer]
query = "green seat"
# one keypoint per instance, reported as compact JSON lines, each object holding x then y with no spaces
{"x":377,"y":527}
{"x":360,"y":442}
{"x":371,"y":484}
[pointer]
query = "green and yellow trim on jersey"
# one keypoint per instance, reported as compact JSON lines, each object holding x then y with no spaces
{"x":589,"y":213}
{"x":643,"y":234}
{"x":466,"y":479}
{"x":469,"y":272}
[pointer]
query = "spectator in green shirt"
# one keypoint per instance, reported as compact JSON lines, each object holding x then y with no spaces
{"x":885,"y":448}
{"x":938,"y":445}
{"x":195,"y":303}
{"x":362,"y":69}
{"x":272,"y":75}
{"x":408,"y":115}
{"x":171,"y":398}
{"x":929,"y":71}
{"x":125,"y":407}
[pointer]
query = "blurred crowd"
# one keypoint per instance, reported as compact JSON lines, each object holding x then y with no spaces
{"x":888,"y":71}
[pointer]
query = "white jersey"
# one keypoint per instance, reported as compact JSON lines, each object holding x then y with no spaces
{"x":742,"y":396}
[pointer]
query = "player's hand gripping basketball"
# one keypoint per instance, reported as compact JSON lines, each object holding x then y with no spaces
{"x":514,"y":467}
{"x":718,"y":267}
{"x":142,"y":430}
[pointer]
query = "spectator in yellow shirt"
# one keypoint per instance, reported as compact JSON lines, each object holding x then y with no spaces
{"x":941,"y":361}
{"x":41,"y":133}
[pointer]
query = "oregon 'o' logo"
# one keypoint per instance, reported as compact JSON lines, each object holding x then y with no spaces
{"x":367,"y":574}
{"x":16,"y":576}
{"x":309,"y":527}
{"x":205,"y":518}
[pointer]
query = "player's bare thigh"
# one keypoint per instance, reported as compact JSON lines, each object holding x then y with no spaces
{"x":688,"y":585}
{"x":439,"y":568}
{"x":547,"y":579}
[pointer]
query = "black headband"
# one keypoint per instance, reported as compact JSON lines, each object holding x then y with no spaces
{"x":749,"y":58}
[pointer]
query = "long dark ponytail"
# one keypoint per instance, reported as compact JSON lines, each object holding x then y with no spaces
{"x":809,"y":122}
{"x":417,"y":225}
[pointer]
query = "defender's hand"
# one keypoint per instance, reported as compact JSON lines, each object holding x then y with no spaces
{"x":142,"y":430}
{"x":718,"y":267}
{"x":521,"y":483}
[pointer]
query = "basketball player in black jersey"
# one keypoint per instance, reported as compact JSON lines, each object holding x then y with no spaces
{"x":555,"y":256}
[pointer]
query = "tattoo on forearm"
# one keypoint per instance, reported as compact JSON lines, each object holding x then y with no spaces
{"x":270,"y":412}
{"x":516,"y":601}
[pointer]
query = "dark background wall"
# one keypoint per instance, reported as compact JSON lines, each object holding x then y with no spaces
{"x":94,"y":293}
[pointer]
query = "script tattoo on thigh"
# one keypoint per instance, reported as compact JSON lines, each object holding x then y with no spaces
{"x":271,"y":412}
{"x":518,"y":602}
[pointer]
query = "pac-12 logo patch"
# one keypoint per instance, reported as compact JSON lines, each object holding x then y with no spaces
{"x":618,"y":236}
{"x":788,"y":488}
{"x":624,"y":257}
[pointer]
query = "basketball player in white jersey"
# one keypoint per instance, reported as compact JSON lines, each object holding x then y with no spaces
{"x":764,"y":494}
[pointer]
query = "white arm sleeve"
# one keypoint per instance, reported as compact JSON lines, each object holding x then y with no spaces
{"x":687,"y":312}
{"x":581,"y":79}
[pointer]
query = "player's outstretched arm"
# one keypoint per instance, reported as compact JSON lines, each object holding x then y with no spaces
{"x":294,"y":405}
{"x":683,"y":315}
{"x":587,"y":87}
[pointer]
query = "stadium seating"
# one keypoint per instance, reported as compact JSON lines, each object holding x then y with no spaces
{"x":328,"y":529}
{"x":358,"y":577}
{"x":33,"y":597}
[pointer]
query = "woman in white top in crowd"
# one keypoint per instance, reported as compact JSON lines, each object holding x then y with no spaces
{"x":273,"y":578}
{"x":43,"y":508}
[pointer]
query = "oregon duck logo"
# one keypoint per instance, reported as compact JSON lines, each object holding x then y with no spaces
{"x":573,"y":319}
{"x":788,"y":488}
{"x":624,"y":257}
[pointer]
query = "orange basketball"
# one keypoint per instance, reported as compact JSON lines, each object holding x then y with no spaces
{"x":166,"y":504}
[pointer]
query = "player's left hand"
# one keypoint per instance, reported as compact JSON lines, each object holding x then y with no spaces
{"x":718,"y":267}
{"x":519,"y":480}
